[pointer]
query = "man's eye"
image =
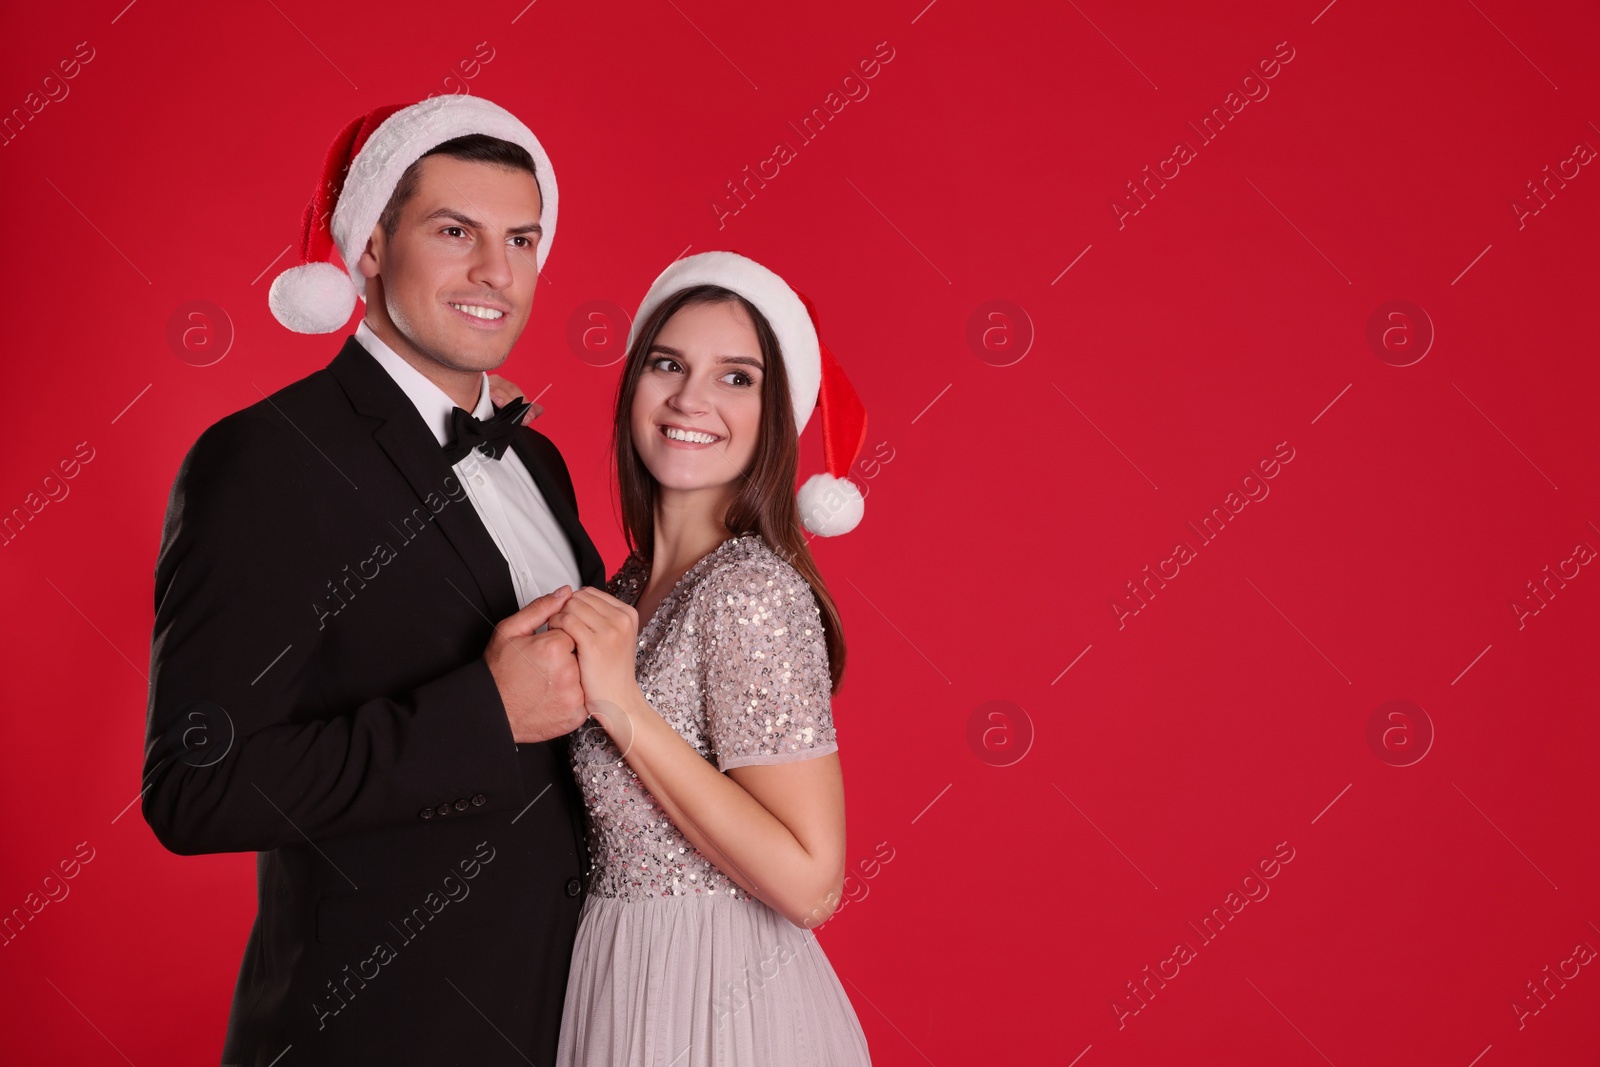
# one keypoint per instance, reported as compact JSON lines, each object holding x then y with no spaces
{"x":526,"y":243}
{"x":458,"y":229}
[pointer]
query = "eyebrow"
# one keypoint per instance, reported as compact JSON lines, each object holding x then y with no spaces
{"x":745,"y":361}
{"x":467,"y":220}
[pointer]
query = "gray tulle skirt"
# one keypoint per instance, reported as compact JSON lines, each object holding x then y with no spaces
{"x":702,"y":981}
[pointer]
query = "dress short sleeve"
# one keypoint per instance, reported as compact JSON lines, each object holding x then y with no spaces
{"x":767,"y":686}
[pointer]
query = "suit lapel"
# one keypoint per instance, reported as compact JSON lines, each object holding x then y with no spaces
{"x":411,"y":446}
{"x":591,"y":569}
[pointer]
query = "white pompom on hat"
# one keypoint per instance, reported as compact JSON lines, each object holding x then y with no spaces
{"x":830,"y":503}
{"x":359,"y":174}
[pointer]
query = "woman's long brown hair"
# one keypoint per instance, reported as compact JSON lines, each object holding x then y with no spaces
{"x":766,"y":501}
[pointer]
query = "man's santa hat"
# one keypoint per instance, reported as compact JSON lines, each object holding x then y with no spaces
{"x":359,"y":175}
{"x":830,"y":503}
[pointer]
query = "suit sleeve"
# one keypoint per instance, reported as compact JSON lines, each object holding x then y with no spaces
{"x":238,"y":756}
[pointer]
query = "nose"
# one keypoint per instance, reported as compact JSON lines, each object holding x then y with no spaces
{"x":491,"y":266}
{"x":689,"y":398}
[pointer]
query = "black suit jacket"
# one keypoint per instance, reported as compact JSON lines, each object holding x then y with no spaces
{"x":318,"y":695}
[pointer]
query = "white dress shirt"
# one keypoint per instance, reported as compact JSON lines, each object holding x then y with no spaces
{"x":501,"y":490}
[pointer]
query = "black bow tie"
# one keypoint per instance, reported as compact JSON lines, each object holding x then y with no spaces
{"x":492,"y":436}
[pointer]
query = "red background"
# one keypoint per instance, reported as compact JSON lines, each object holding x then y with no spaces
{"x":1231,"y":313}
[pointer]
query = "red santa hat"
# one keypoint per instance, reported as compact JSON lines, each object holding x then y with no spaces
{"x":830,"y":503}
{"x":361,"y":170}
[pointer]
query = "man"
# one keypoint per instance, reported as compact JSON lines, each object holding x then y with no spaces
{"x":328,"y":687}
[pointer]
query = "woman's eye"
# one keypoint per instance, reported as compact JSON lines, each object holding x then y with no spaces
{"x":655,"y":364}
{"x":747,"y":380}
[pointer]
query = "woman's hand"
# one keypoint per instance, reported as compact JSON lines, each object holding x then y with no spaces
{"x":606,"y":632}
{"x":503,"y":392}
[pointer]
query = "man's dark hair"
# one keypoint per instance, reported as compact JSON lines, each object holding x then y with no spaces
{"x":474,"y":148}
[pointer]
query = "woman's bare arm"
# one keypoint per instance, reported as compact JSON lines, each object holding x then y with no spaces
{"x":777,"y":829}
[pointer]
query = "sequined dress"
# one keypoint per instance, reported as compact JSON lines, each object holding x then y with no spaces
{"x":674,"y":963}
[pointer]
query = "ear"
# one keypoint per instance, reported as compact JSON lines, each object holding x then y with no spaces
{"x":372,"y":256}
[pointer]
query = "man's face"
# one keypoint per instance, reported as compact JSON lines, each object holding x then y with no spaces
{"x":457,"y":278}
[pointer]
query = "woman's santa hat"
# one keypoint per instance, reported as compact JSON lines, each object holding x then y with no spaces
{"x":830,"y":503}
{"x":359,"y":175}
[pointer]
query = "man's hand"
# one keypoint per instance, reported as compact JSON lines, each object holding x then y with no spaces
{"x":537,"y":674}
{"x":503,"y":392}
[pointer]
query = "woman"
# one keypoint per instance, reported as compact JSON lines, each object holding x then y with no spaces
{"x":694,"y":944}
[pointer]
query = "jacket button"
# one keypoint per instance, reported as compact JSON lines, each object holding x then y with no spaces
{"x":461,"y":805}
{"x":426,"y":813}
{"x":444,"y":809}
{"x":574,"y":887}
{"x":479,"y":801}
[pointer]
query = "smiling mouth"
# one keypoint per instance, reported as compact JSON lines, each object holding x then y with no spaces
{"x":692,"y":437}
{"x":478,"y":311}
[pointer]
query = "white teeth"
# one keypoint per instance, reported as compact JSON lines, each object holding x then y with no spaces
{"x":479,"y":312}
{"x":690,"y":436}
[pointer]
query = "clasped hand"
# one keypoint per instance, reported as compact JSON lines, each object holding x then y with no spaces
{"x":605,"y":632}
{"x":580,"y":665}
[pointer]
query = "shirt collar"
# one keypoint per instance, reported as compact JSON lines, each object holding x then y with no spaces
{"x":432,"y":403}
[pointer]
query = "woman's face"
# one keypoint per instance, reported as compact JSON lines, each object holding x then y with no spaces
{"x":701,"y":383}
